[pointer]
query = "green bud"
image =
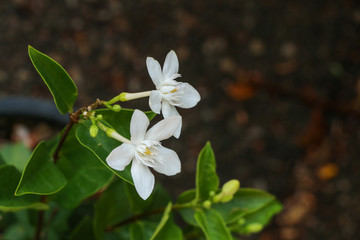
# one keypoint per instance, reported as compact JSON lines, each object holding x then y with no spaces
{"x":217,"y":198}
{"x":207,"y":204}
{"x":228,"y":198}
{"x":241,"y":221}
{"x":254,"y":227}
{"x":116,"y":108}
{"x":230,"y":187}
{"x":99,"y":117}
{"x":94,"y":130}
{"x":212,"y":193}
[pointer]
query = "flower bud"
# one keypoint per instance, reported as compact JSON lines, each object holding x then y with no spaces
{"x":116,"y":108}
{"x":241,"y":221}
{"x":227,"y":198}
{"x":99,"y":117}
{"x":94,"y":130}
{"x":217,"y":198}
{"x":207,"y":204}
{"x":254,"y":227}
{"x":231,"y":187}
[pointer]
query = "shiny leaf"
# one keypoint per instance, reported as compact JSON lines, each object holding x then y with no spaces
{"x":56,"y":78}
{"x":40,"y":175}
{"x":206,"y":177}
{"x":9,"y":178}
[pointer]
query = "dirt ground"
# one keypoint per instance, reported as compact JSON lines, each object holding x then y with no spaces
{"x":279,"y":82}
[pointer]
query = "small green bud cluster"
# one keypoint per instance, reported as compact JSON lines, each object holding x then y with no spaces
{"x":94,"y":129}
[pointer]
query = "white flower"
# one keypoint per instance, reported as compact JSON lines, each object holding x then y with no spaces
{"x":145,"y":150}
{"x":169,"y":93}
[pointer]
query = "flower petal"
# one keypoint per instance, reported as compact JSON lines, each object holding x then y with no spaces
{"x":155,"y":101}
{"x":121,"y":156}
{"x":169,"y":110}
{"x":163,"y":129}
{"x":171,"y":65}
{"x":143,"y":179}
{"x":138,"y":125}
{"x":190,"y":96}
{"x":168,"y":162}
{"x":154,"y":70}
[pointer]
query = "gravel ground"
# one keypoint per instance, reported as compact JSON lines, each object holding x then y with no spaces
{"x":279,"y":82}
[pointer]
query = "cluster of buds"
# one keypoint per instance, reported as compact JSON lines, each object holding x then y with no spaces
{"x":225,"y":195}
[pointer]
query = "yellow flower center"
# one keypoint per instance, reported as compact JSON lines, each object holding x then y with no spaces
{"x":148,"y":152}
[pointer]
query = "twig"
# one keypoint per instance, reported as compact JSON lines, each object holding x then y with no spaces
{"x":62,"y":140}
{"x":40,"y":220}
{"x":74,"y":118}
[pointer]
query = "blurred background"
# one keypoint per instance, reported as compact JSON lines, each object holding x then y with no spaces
{"x":279,"y":82}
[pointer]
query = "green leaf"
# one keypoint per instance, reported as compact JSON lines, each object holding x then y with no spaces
{"x":212,"y":224}
{"x":57,"y":225}
{"x":9,"y":177}
{"x":112,"y":207}
{"x":56,"y":78}
{"x":142,"y":230}
{"x":83,"y":230}
{"x":255,"y":221}
{"x":120,"y":201}
{"x":102,"y":145}
{"x":166,"y":228}
{"x":40,"y":175}
{"x":206,"y":177}
{"x":188,"y":213}
{"x":84,"y":173}
{"x":16,"y":155}
{"x":158,"y":199}
{"x":120,"y":121}
{"x":21,"y":227}
{"x":245,"y":201}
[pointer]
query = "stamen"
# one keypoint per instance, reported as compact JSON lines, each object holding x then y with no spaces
{"x":148,"y":152}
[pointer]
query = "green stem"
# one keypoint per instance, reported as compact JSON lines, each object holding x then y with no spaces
{"x":74,"y":118}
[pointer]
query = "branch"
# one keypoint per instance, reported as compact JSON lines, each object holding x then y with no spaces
{"x":40,"y":220}
{"x":74,"y":118}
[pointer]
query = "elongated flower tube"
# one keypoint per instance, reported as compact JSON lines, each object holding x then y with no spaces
{"x":144,"y":150}
{"x":169,"y":93}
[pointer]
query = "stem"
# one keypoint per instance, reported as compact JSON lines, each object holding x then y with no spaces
{"x":74,"y":118}
{"x":62,"y":140}
{"x":40,"y":220}
{"x":146,"y":214}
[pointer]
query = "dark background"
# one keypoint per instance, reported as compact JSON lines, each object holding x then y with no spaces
{"x":279,"y":82}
